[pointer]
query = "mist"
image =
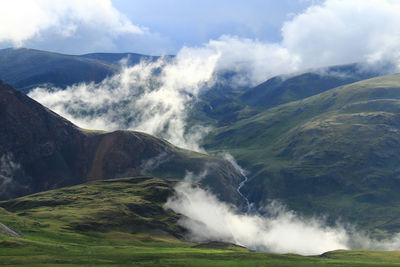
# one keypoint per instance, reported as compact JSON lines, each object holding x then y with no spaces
{"x":151,"y":97}
{"x":209,"y":219}
{"x":156,"y":97}
{"x":12,"y":176}
{"x":282,"y":231}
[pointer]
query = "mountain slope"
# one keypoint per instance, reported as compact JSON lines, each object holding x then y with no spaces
{"x":26,"y":68}
{"x":132,"y":205}
{"x":40,"y":150}
{"x":333,"y":153}
{"x":280,"y":89}
{"x":115,"y":58}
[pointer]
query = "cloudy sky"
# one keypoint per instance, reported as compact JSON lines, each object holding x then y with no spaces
{"x":150,"y":27}
{"x":291,"y":34}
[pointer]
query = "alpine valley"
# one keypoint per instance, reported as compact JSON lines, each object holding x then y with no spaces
{"x":321,"y":144}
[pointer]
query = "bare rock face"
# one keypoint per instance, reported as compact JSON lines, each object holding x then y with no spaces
{"x":39,"y":150}
{"x":43,"y":147}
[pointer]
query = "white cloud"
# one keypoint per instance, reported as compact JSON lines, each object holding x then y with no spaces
{"x":11,"y":177}
{"x":334,"y":32}
{"x":138,"y":99}
{"x":72,"y":26}
{"x":282,"y":231}
{"x":339,"y":32}
{"x":209,"y":219}
{"x":253,"y":60}
{"x":327,"y":33}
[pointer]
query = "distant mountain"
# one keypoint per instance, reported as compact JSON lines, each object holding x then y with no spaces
{"x":224,"y":105}
{"x":115,"y":58}
{"x":333,"y":153}
{"x":284,"y":89}
{"x":25,"y":68}
{"x":40,"y":150}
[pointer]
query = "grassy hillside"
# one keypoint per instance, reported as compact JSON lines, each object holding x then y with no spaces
{"x":223,"y":105}
{"x":284,"y":89}
{"x":333,"y":153}
{"x":122,"y":222}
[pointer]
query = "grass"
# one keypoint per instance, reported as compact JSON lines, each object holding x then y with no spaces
{"x":333,"y":153}
{"x":47,"y":221}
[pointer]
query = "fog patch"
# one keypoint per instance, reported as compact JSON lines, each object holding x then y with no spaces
{"x":281,"y":231}
{"x":155,"y":162}
{"x":152,"y":97}
{"x":284,"y":232}
{"x":11,"y":174}
{"x":193,"y":177}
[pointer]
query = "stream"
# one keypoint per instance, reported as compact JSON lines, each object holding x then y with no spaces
{"x":242,"y":183}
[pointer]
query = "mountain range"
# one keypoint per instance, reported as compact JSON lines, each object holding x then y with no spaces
{"x":25,"y":68}
{"x":323,"y":142}
{"x":51,"y":152}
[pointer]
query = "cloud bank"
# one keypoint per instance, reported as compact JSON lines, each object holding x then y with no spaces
{"x":326,"y":33}
{"x":282,"y":231}
{"x":209,"y":219}
{"x":339,"y":31}
{"x":73,"y":26}
{"x":152,"y":97}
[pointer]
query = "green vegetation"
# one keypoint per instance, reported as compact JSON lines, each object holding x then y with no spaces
{"x":284,"y":89}
{"x":122,"y":222}
{"x":333,"y":153}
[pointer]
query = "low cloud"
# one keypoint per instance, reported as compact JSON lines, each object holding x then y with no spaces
{"x":11,"y":177}
{"x":282,"y":231}
{"x":154,"y":162}
{"x":156,"y":97}
{"x":209,"y":219}
{"x":152,"y":97}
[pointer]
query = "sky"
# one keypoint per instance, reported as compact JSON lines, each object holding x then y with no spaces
{"x":150,"y":27}
{"x":287,"y":35}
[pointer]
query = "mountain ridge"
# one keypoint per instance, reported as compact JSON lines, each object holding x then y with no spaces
{"x":44,"y":151}
{"x":332,"y":153}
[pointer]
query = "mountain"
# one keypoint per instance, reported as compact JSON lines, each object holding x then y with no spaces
{"x":223,"y":105}
{"x":27,"y":68}
{"x":335,"y":153}
{"x":115,"y":58}
{"x":39,"y":150}
{"x":287,"y":88}
{"x":133,"y":205}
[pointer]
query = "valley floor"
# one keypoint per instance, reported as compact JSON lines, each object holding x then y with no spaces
{"x":122,"y":222}
{"x":124,"y":249}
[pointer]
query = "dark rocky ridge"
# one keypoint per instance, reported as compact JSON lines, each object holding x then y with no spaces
{"x":49,"y":152}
